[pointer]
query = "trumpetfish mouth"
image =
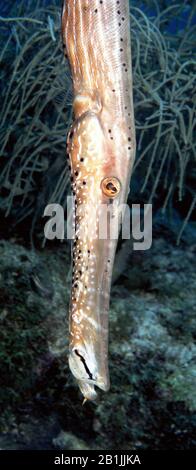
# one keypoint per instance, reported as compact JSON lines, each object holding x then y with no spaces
{"x":101,"y":148}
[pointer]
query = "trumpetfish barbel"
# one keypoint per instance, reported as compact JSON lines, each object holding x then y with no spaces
{"x":101,"y":149}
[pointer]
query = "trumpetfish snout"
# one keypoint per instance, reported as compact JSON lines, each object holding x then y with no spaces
{"x":101,"y":148}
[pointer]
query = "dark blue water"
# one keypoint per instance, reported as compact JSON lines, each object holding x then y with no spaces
{"x":174,"y":24}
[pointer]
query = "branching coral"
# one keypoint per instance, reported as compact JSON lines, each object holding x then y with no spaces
{"x":34,"y":117}
{"x":36,"y":108}
{"x":164,"y":103}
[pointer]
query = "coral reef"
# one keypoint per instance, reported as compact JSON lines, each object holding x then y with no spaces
{"x":152,"y":400}
{"x":35,"y":85}
{"x":36,"y":109}
{"x":67,"y":440}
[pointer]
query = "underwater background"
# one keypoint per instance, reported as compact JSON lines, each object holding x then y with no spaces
{"x":152,"y":353}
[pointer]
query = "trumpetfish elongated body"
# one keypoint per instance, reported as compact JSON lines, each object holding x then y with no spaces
{"x":101,"y":148}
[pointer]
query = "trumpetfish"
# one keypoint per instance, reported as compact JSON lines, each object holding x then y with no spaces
{"x":101,"y":148}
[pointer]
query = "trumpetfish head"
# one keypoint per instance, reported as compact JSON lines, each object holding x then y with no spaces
{"x":101,"y":149}
{"x":100,"y":185}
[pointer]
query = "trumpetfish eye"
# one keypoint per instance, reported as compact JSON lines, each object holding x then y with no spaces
{"x":111,"y":186}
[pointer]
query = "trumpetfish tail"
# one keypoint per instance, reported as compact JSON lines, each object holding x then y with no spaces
{"x":101,"y":147}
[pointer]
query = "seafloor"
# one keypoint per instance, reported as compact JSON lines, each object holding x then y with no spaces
{"x":152,"y":400}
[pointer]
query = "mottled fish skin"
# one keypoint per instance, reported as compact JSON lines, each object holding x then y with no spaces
{"x":101,"y":144}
